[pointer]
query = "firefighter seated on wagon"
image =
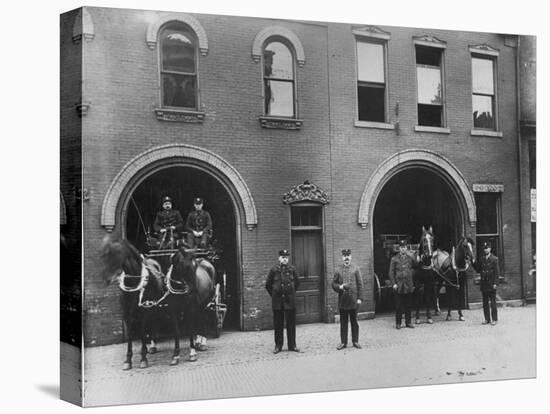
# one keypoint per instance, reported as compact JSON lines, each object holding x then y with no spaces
{"x":198,"y":226}
{"x":168,"y":226}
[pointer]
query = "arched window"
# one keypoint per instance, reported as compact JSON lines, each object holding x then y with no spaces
{"x":279,"y":79}
{"x":178,"y":66}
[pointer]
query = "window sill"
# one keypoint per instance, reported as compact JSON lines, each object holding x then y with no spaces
{"x":271,"y":122}
{"x":376,"y":125}
{"x":436,"y":130}
{"x":179,"y":115}
{"x":484,"y":133}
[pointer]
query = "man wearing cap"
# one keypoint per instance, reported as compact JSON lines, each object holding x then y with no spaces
{"x":198,"y":225}
{"x":348,"y":284}
{"x":488,"y":267}
{"x":401,"y":277}
{"x":281,"y":284}
{"x":169,"y":222}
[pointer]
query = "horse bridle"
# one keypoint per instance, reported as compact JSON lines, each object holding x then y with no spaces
{"x":145,"y":272}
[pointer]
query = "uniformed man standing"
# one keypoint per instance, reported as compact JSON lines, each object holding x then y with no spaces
{"x":198,"y":225}
{"x":348,"y":284}
{"x":487,"y":266}
{"x":401,"y":275}
{"x":281,"y":284}
{"x":168,"y":222}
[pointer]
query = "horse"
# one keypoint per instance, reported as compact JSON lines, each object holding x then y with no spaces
{"x":424,"y":276}
{"x":450,"y":270}
{"x":462,"y":257}
{"x":190,"y":282}
{"x":140,"y":283}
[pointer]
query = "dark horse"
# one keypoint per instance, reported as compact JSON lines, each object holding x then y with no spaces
{"x":447,"y":270}
{"x":190,"y":282}
{"x":140,"y":283}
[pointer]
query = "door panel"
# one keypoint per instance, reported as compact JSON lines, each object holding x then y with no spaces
{"x":307,"y":251}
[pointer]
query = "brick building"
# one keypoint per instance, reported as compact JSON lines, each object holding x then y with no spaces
{"x":303,"y":135}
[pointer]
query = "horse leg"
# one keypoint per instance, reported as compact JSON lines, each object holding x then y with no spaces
{"x":190,"y":317}
{"x":201,"y":330}
{"x":437,"y":310}
{"x":450,"y":299}
{"x":144,"y":324}
{"x":127,"y":328}
{"x":174,"y":315}
{"x":153,"y":330}
{"x":418,"y":303}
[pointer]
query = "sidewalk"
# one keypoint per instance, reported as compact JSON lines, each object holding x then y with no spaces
{"x":242,"y":364}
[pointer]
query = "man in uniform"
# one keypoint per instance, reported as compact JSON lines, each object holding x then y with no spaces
{"x":348,"y":284}
{"x":487,"y":266}
{"x":401,"y":277}
{"x":281,"y":284}
{"x":198,"y":225}
{"x":168,"y":222}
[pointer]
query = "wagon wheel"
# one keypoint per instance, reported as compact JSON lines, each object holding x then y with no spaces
{"x":377,"y":290}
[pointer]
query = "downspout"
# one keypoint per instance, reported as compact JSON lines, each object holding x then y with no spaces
{"x":520,"y":167}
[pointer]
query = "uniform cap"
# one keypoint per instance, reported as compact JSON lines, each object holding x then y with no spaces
{"x":284,"y":252}
{"x":165,"y":199}
{"x":346,"y":252}
{"x":198,"y":200}
{"x":402,"y":243}
{"x":486,"y":245}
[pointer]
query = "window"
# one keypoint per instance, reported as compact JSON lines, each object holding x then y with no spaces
{"x":279,"y":87}
{"x":178,"y":66}
{"x":489,"y":223}
{"x":429,"y":61}
{"x":371,"y":81}
{"x":483,"y":93}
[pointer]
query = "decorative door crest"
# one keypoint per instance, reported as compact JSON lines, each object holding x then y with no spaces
{"x":306,"y":192}
{"x":488,"y":188}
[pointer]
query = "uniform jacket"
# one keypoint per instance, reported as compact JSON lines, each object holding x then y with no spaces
{"x":350,"y":277}
{"x":198,"y":221}
{"x":166,"y":218}
{"x":488,"y":269}
{"x":401,"y":272}
{"x":281,"y":284}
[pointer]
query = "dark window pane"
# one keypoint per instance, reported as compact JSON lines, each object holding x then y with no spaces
{"x":371,"y":103}
{"x":486,"y":210}
{"x":179,"y":90}
{"x":306,"y":216}
{"x":278,"y":61}
{"x":370,"y":62}
{"x":178,"y":51}
{"x":482,"y":76}
{"x":279,"y":98}
{"x":482,"y":107}
{"x":428,"y":56}
{"x":429,"y":85}
{"x":430,"y":115}
{"x":532,"y":164}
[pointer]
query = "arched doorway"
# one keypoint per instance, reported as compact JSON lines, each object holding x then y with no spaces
{"x":183,"y":183}
{"x":411,"y":198}
{"x":185,"y":171}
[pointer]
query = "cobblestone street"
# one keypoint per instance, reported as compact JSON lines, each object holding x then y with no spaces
{"x":242,"y":364}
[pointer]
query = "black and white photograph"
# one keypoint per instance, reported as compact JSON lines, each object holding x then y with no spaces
{"x":270,"y":203}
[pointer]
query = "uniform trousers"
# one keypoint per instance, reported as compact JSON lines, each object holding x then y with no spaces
{"x":279,"y":317}
{"x":491,"y":297}
{"x":403,"y":303}
{"x":193,"y":241}
{"x":351,"y":315}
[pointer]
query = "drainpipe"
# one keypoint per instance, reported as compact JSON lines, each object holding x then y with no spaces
{"x":520,"y":169}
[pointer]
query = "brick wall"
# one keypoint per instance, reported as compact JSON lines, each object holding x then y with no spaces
{"x":120,"y":78}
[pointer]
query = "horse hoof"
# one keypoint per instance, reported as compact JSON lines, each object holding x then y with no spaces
{"x":192,"y":358}
{"x":175,"y":361}
{"x":144,"y":364}
{"x":448,"y":317}
{"x":153,"y":350}
{"x":201,"y":347}
{"x":127,"y":366}
{"x":430,"y":321}
{"x":461,"y":318}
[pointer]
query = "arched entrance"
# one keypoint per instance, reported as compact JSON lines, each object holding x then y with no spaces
{"x":185,"y":171}
{"x":411,"y":189}
{"x":183,"y":183}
